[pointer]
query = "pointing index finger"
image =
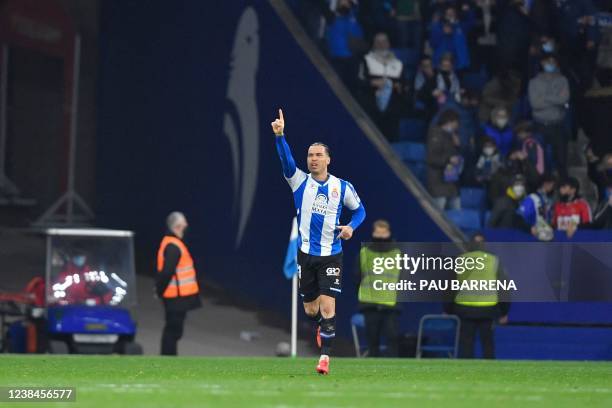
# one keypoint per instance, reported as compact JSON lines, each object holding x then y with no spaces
{"x":280,"y":115}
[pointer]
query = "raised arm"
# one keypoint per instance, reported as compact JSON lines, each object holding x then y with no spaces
{"x":293,"y":175}
{"x":358,"y":213}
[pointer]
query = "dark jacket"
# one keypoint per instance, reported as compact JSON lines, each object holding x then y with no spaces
{"x":504,"y":214}
{"x":596,"y":120}
{"x":172,"y":253}
{"x":440,"y":149}
{"x":514,"y":32}
{"x":602,"y":217}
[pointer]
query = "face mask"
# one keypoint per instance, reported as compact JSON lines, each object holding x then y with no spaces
{"x":379,"y":239}
{"x":79,"y":260}
{"x":449,"y":129}
{"x":518,"y":190}
{"x":488,"y":151}
{"x":548,"y":47}
{"x":565,"y":198}
{"x":550,"y":68}
{"x":501,"y":123}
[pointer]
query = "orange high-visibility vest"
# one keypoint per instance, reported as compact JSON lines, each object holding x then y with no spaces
{"x":183,"y":282}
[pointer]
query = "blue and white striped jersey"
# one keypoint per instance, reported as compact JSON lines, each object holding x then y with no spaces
{"x":319,"y":206}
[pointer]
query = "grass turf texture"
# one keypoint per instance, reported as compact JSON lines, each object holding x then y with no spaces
{"x":118,"y":381}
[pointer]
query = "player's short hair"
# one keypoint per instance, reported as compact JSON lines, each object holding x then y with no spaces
{"x":322,"y":144}
{"x":380,"y":223}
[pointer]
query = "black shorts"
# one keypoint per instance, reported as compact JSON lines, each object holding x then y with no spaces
{"x":319,"y":275}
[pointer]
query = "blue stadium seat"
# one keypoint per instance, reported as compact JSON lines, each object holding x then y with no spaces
{"x":409,"y":74}
{"x":409,"y":151}
{"x":466,"y":219}
{"x":476,"y":81}
{"x":473,"y":198}
{"x":413,"y":130}
{"x":408,"y":56}
{"x":419,"y":169}
{"x":485,"y":218}
{"x":438,"y":336}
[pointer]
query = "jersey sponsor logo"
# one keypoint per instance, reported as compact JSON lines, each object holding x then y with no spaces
{"x":333,"y":272}
{"x":319,"y":206}
{"x":337,"y":282}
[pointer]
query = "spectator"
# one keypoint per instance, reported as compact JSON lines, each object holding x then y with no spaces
{"x":377,"y":16}
{"x":548,"y":95}
{"x":572,"y":23}
{"x":595,"y":118}
{"x":469,"y":127}
{"x":536,"y":209}
{"x":515,"y":164}
{"x":425,"y":83}
{"x":530,"y":145}
{"x":442,"y":157}
{"x":602,"y":218}
{"x":542,"y":45}
{"x":504,"y":213}
{"x":381,"y":73}
{"x":344,"y":42}
{"x":314,"y":14}
{"x":514,"y":37}
{"x":409,"y":28}
{"x":499,"y":130}
{"x":599,"y":171}
{"x":448,"y":36}
{"x":503,"y":90}
{"x":571,"y":211}
{"x":541,"y":14}
{"x":447,"y":82}
{"x":593,"y":168}
{"x":489,"y":161}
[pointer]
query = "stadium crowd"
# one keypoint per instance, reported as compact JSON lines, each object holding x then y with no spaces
{"x":483,"y":99}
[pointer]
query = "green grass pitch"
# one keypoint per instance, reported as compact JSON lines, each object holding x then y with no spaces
{"x":119,"y":381}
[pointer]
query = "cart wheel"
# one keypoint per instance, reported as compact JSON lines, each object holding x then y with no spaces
{"x":58,"y":347}
{"x":132,"y":348}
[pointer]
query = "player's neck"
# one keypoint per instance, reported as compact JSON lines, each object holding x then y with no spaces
{"x":321,"y":176}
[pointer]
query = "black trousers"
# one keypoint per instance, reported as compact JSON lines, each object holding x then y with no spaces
{"x":467,"y":335}
{"x":381,"y":322}
{"x":173,"y":331}
{"x":557,"y":135}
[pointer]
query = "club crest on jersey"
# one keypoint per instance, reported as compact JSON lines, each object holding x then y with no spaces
{"x":319,"y":206}
{"x":335,"y":193}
